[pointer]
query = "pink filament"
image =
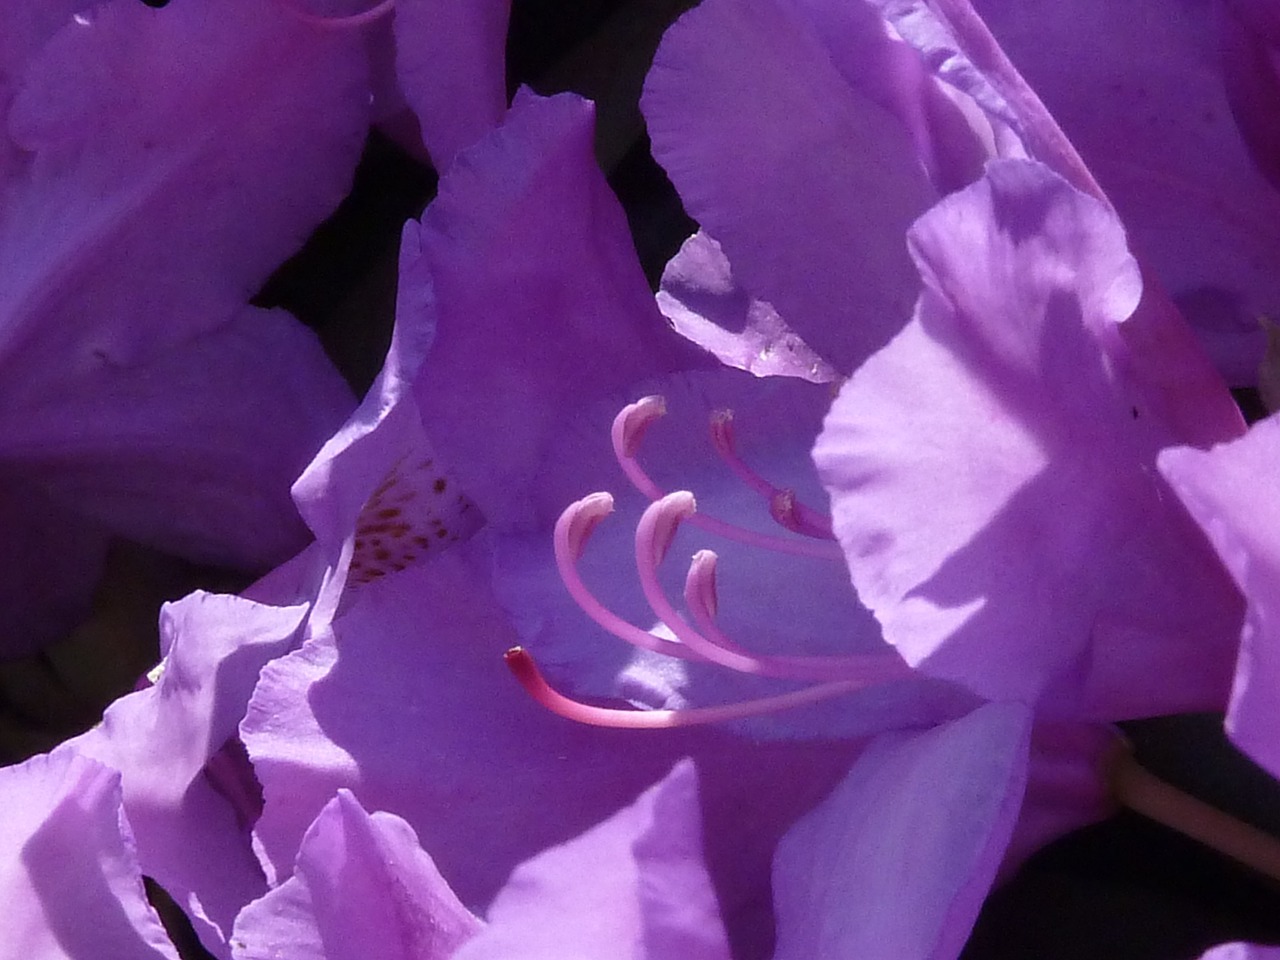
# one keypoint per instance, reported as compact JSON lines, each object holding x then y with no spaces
{"x":790,"y":514}
{"x":722,"y":439}
{"x":707,"y":642}
{"x":785,"y":509}
{"x":819,"y":549}
{"x":572,"y":531}
{"x":716,"y":646}
{"x":628,"y":429}
{"x":654,"y":534}
{"x":526,"y":671}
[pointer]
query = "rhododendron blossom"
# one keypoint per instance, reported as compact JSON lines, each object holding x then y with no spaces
{"x":787,"y":612}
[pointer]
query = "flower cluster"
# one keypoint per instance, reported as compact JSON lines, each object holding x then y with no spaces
{"x":784,"y":612}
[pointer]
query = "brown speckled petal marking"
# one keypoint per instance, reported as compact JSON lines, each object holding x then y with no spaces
{"x":416,"y":510}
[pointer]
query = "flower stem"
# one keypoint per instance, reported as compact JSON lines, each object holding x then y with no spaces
{"x":1143,"y":792}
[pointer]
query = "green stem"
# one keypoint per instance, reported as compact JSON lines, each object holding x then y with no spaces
{"x":1143,"y":792}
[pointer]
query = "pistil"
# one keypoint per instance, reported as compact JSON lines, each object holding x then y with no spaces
{"x":526,"y":671}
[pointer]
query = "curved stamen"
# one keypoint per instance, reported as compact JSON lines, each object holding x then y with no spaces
{"x":790,"y":514}
{"x":346,"y":22}
{"x":700,"y":597}
{"x":526,"y":671}
{"x":628,"y":429}
{"x":1142,"y":791}
{"x":819,"y":549}
{"x":654,"y":533}
{"x":722,"y":438}
{"x":786,"y":510}
{"x":573,"y":529}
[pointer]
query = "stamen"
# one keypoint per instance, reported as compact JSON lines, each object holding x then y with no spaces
{"x":722,"y":438}
{"x":790,"y":514}
{"x":1143,"y":792}
{"x":819,"y":549}
{"x":657,"y":528}
{"x":785,"y":509}
{"x":348,"y":22}
{"x":573,"y":529}
{"x":526,"y":671}
{"x":700,"y":593}
{"x":654,"y":533}
{"x":629,"y":427}
{"x":715,"y":645}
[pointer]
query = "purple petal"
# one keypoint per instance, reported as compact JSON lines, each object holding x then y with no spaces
{"x":52,"y":561}
{"x":464,"y":750}
{"x":993,"y":480}
{"x":384,"y":435}
{"x":1144,"y":107}
{"x":752,"y":794}
{"x":133,"y":229}
{"x":1156,"y":347}
{"x":1242,"y":951}
{"x":540,"y":300}
{"x":407,"y":703}
{"x":362,"y":887}
{"x":952,"y":139}
{"x":679,"y":915}
{"x":70,"y":880}
{"x":897,"y":861}
{"x":380,"y":501}
{"x":807,"y":183}
{"x":450,"y":59}
{"x":1251,"y":73}
{"x":1143,"y":101}
{"x":194,"y":451}
{"x":706,"y":306}
{"x":1228,"y":490}
{"x":376,"y":496}
{"x":1067,"y":786}
{"x":162,"y":738}
{"x":138,"y":221}
{"x":632,"y":886}
{"x":956,"y":44}
{"x":25,"y":27}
